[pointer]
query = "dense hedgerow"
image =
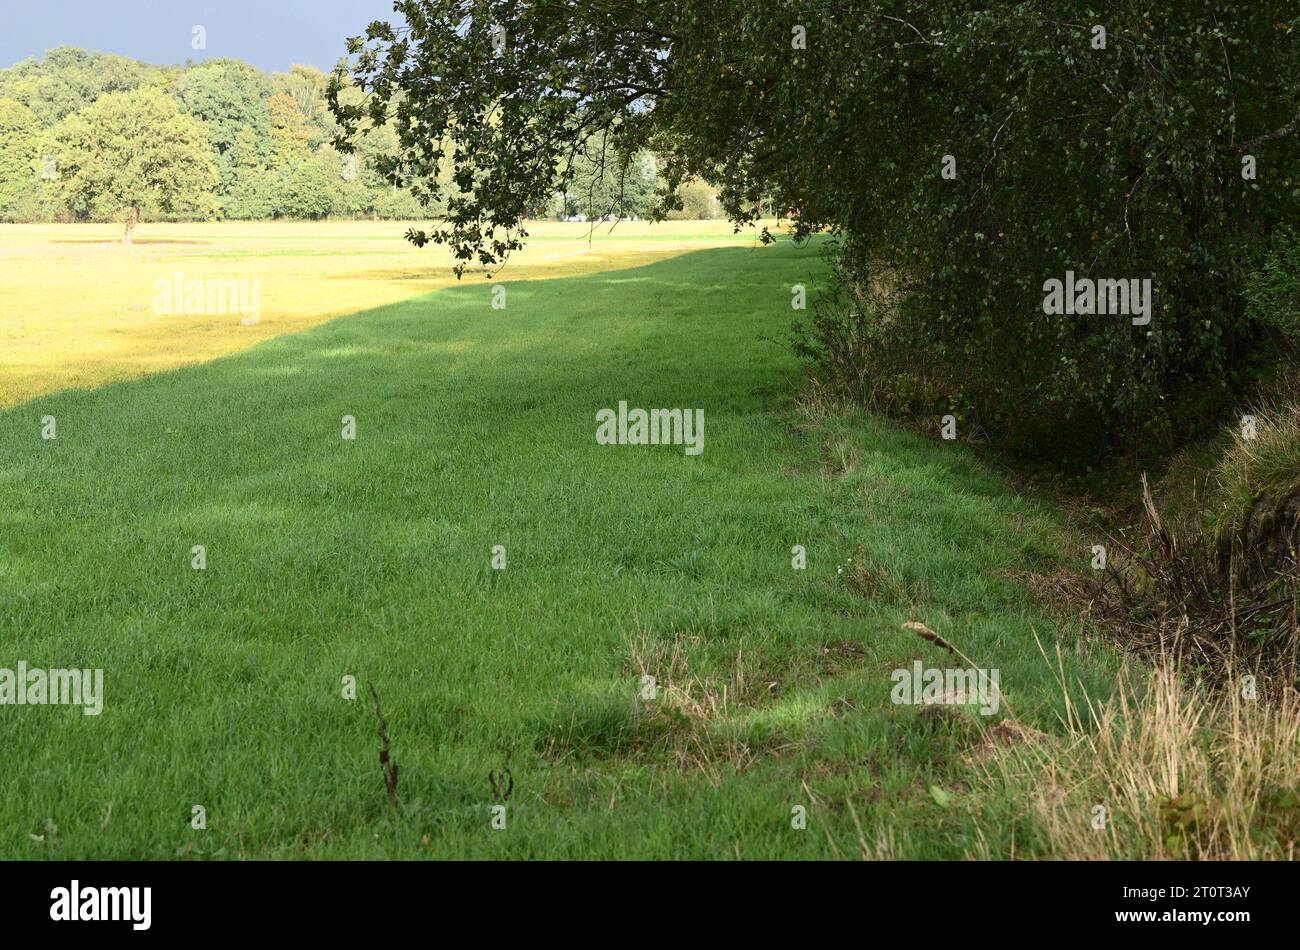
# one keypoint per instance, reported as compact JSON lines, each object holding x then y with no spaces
{"x":1123,"y":162}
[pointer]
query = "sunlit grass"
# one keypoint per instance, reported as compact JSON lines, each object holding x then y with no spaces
{"x":77,"y":307}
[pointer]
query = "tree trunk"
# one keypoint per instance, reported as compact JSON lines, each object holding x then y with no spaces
{"x":132,"y":219}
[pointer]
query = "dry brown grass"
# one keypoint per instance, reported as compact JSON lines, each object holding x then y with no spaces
{"x":692,"y":714}
{"x":1183,"y":773}
{"x":1168,"y":593}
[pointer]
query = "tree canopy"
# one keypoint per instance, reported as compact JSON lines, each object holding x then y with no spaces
{"x":132,"y":153}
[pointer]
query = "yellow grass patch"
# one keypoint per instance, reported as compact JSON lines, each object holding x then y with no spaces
{"x":77,"y":307}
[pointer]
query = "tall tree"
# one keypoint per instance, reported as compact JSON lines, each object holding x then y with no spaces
{"x":306,"y":85}
{"x":291,"y":133}
{"x":18,"y":156}
{"x":131,"y":154}
{"x":228,"y":96}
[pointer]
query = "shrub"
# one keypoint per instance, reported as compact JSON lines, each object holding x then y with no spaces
{"x":699,"y":202}
{"x":1254,"y":503}
{"x":1273,"y":291}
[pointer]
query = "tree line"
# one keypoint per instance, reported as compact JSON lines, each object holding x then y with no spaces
{"x":96,"y":136}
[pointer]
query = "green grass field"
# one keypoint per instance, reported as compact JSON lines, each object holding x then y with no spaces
{"x":77,"y":308}
{"x":371,"y":558}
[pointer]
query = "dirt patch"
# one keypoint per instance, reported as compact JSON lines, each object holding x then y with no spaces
{"x":1000,"y":737}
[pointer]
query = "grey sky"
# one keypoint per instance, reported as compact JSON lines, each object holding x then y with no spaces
{"x":272,"y":34}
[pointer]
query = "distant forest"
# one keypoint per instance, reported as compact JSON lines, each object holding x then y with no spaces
{"x":264,"y":141}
